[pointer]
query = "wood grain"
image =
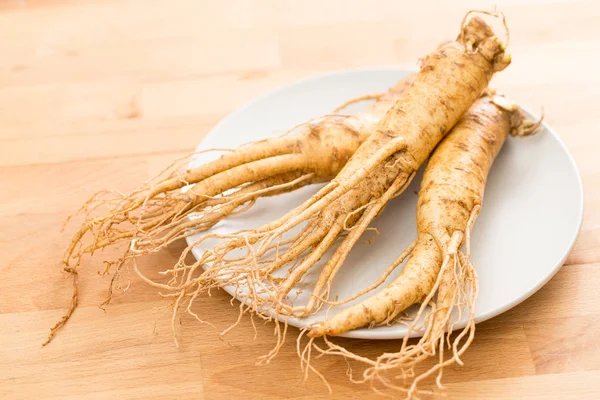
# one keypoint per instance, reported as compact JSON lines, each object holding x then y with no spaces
{"x":103,"y":94}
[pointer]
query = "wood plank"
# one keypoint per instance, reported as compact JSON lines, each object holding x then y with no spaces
{"x":567,"y":344}
{"x":67,"y":57}
{"x":129,"y":378}
{"x":574,"y":386}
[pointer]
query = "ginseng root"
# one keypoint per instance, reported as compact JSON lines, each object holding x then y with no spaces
{"x":438,"y":274}
{"x":450,"y":80}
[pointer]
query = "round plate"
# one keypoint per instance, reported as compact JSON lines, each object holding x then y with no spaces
{"x":530,"y":218}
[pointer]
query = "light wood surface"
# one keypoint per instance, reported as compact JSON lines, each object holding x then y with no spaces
{"x":103,"y":94}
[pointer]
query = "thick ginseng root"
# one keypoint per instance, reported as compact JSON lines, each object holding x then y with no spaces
{"x":160,"y":212}
{"x":449,"y":82}
{"x":437,"y":273}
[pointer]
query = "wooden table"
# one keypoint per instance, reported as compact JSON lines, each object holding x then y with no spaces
{"x":103,"y":94}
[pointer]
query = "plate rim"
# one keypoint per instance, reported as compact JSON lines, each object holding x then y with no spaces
{"x":372,"y":333}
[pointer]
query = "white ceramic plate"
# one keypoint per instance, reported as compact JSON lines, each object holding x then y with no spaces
{"x":530,"y":218}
